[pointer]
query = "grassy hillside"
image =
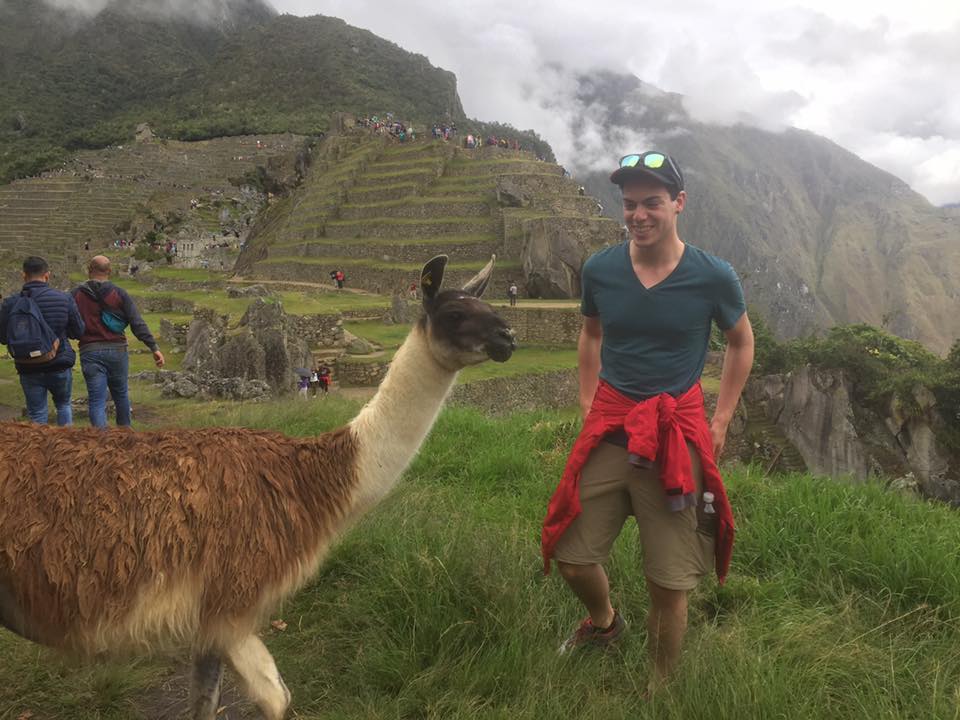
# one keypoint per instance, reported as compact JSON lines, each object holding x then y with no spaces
{"x":71,"y":83}
{"x":842,"y":603}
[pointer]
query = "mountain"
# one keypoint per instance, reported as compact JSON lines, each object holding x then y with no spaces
{"x":69,"y":81}
{"x":819,"y":236}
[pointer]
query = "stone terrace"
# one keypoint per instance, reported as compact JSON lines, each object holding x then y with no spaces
{"x":96,"y":190}
{"x":377,"y":209}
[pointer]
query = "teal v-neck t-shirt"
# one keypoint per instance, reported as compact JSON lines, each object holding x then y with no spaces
{"x":655,"y":339}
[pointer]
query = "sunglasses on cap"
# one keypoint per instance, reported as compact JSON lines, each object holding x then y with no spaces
{"x":652,"y":160}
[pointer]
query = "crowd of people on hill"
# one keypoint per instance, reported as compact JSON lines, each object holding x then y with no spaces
{"x":388,"y":126}
{"x":446,"y":131}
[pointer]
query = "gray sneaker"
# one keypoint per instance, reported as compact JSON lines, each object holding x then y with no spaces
{"x":588,"y":635}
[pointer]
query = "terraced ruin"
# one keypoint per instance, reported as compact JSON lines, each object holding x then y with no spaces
{"x":96,"y":195}
{"x":375,"y":209}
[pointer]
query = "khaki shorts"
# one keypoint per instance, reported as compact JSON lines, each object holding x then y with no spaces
{"x":675,"y":554}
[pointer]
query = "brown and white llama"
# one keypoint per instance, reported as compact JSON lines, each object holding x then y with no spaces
{"x":116,"y":543}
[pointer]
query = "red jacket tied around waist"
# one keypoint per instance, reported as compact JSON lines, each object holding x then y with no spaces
{"x":657,"y":429}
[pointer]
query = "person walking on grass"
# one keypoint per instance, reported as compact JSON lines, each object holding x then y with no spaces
{"x":107,"y":310}
{"x":36,"y":325}
{"x":646,"y":448}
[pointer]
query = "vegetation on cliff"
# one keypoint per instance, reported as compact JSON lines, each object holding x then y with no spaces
{"x":880,"y":366}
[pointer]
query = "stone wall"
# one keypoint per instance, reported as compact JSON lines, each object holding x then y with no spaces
{"x":407,"y":251}
{"x":163,"y":304}
{"x":355,"y":373}
{"x":318,"y":330}
{"x":553,"y":327}
{"x":174,"y":335}
{"x":549,"y":390}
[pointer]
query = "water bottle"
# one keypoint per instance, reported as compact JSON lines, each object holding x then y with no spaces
{"x":707,"y":517}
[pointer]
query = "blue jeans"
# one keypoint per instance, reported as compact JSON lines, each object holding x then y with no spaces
{"x":104,"y":369}
{"x":58,"y":383}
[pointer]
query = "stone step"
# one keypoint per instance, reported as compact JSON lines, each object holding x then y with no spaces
{"x":400,"y":251}
{"x":470,"y":169}
{"x":404,"y":228}
{"x":378,"y":179}
{"x":360,"y":194}
{"x":416,"y":208}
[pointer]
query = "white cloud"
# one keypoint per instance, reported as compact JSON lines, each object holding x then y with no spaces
{"x":877,"y":77}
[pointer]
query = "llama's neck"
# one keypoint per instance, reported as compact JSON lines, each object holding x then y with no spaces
{"x":393,"y":425}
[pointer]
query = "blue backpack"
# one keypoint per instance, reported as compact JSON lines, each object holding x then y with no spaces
{"x":30,"y":340}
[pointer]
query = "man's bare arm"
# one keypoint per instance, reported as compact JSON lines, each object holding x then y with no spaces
{"x":737,"y":361}
{"x":588,"y":360}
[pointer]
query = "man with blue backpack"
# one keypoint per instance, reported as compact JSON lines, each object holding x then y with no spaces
{"x":36,"y":325}
{"x":107,"y":310}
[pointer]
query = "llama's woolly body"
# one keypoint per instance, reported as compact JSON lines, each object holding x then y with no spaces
{"x":115,"y":542}
{"x":137,"y":542}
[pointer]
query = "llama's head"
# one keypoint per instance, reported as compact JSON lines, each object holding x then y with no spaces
{"x":462,"y":329}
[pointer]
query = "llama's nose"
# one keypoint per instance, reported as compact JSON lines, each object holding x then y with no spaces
{"x":508,"y":335}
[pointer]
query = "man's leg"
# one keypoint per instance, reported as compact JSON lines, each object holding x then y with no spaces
{"x":666,"y":626}
{"x":35,"y":395}
{"x":586,"y":543}
{"x":61,"y":387}
{"x":589,"y":583}
{"x":118,"y":365}
{"x":95,"y":375}
{"x":675,"y":557}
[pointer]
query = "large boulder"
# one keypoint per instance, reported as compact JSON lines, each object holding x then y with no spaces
{"x":554,"y":250}
{"x":204,"y":338}
{"x":265,"y":346}
{"x":283,"y":349}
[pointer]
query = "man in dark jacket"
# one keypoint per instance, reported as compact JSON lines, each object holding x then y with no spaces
{"x":103,"y":351}
{"x":60,"y":313}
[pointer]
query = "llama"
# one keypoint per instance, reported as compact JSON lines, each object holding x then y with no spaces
{"x":120,"y":543}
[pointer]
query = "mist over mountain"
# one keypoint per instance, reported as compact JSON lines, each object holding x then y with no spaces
{"x":820,"y":236}
{"x":220,"y":13}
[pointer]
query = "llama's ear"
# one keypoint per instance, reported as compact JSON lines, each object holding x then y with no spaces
{"x":478,"y":283}
{"x":431,"y":277}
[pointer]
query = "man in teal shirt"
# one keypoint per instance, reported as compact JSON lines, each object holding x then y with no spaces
{"x":648,"y":305}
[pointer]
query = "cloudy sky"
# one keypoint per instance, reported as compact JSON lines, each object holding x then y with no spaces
{"x":880,"y":78}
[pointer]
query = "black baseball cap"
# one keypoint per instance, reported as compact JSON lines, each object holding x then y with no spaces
{"x":651,"y":164}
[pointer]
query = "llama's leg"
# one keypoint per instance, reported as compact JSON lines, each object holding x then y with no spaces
{"x":205,"y":690}
{"x":262,"y":683}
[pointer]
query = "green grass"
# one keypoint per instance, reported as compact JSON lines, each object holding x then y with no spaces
{"x":524,"y":360}
{"x":295,"y":303}
{"x":843,"y":602}
{"x":387,"y":336}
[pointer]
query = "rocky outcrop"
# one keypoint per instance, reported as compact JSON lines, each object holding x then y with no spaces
{"x":815,"y":410}
{"x":554,"y":250}
{"x":264,"y":346}
{"x":206,"y":386}
{"x":250,"y":291}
